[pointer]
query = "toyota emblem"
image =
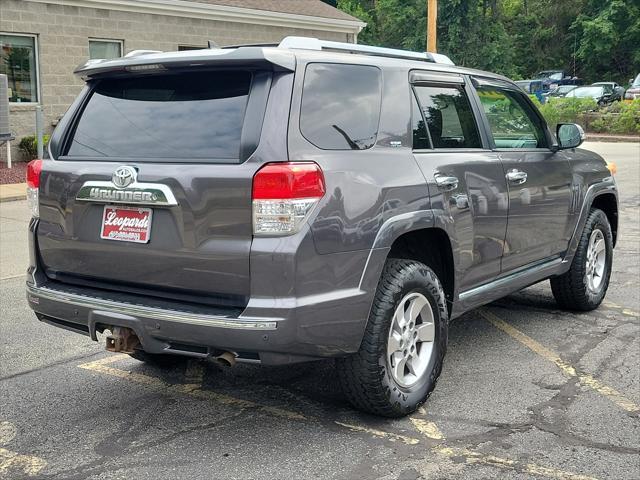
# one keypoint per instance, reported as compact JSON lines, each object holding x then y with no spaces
{"x":124,"y":176}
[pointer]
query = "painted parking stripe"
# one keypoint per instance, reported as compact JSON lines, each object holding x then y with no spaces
{"x":584,"y":378}
{"x":12,"y":461}
{"x":101,"y":366}
{"x":624,"y":310}
{"x":430,"y":430}
{"x":471,"y":457}
{"x":380,"y":433}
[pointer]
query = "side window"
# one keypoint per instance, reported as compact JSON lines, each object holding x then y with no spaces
{"x":448,"y":116}
{"x":341,"y":106}
{"x":513,"y":123}
{"x":420,"y":135}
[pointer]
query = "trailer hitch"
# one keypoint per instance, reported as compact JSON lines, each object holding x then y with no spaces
{"x":122,"y":339}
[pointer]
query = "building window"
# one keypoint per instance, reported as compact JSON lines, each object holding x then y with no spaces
{"x":106,"y":49}
{"x":18,"y":61}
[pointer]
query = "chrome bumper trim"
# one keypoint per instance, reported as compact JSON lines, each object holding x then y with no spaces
{"x":150,"y":312}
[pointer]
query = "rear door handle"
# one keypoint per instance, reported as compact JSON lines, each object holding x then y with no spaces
{"x":517,"y":176}
{"x":446,"y":183}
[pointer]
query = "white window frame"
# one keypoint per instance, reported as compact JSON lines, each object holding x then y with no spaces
{"x":37,"y":61}
{"x":106,"y":40}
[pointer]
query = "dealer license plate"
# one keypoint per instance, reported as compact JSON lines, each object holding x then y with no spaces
{"x":126,"y":224}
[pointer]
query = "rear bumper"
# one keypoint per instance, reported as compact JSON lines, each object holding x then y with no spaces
{"x":265,"y":340}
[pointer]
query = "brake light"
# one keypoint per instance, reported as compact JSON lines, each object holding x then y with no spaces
{"x":34,"y":168}
{"x":284,"y":195}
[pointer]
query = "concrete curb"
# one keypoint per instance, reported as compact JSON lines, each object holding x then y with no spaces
{"x":13,"y":191}
{"x":596,"y":137}
{"x":12,"y":198}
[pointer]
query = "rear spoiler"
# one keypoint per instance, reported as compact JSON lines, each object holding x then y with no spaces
{"x":155,"y":62}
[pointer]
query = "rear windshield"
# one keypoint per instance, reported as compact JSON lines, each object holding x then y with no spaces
{"x":188,"y":116}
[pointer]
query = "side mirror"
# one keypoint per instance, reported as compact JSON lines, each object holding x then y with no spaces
{"x":570,"y":135}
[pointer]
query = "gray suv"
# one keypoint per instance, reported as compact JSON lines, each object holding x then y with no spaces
{"x":284,"y":203}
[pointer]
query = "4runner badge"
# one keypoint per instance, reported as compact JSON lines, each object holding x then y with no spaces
{"x":125,"y":188}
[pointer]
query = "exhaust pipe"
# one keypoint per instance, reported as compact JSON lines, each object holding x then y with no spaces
{"x":122,"y":339}
{"x":227,"y":359}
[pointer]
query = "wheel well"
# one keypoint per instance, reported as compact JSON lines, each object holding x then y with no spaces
{"x":432,"y":247}
{"x":607,"y":203}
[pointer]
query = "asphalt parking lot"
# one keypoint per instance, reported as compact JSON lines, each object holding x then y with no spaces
{"x":527,"y":391}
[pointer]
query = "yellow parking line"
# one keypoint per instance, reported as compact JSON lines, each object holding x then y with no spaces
{"x":427,"y":428}
{"x":431,"y":430}
{"x":584,"y":378}
{"x":7,"y":432}
{"x":14,"y":461}
{"x":380,"y":433}
{"x":191,"y":390}
{"x":471,"y":457}
{"x":621,"y":309}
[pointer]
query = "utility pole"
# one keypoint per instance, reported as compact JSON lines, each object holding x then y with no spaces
{"x":432,"y":22}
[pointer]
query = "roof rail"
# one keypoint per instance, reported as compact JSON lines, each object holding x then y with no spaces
{"x":307,"y":43}
{"x":137,"y":53}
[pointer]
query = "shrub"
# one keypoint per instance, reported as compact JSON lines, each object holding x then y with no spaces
{"x":568,"y":110}
{"x":621,"y":118}
{"x":29,"y":145}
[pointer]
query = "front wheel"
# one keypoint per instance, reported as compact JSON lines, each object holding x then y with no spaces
{"x":401,"y":355}
{"x":584,"y":286}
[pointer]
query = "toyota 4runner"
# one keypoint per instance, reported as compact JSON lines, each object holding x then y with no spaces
{"x":285,"y":203}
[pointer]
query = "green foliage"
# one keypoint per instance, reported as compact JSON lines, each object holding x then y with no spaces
{"x":568,"y":110}
{"x":620,"y":118}
{"x":29,"y":145}
{"x":596,"y":39}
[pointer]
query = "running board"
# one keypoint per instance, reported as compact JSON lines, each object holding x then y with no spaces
{"x":502,"y":287}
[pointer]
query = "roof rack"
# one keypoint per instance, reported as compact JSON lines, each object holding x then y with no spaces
{"x":306,"y":43}
{"x":137,"y":53}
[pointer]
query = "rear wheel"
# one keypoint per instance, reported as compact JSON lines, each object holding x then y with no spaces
{"x":585,"y":285}
{"x":404,"y":344}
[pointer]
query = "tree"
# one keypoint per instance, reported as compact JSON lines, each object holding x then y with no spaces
{"x":600,"y":39}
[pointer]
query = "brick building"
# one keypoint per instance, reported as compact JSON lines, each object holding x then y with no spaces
{"x":43,"y":41}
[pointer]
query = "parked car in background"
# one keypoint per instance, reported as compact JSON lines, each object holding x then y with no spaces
{"x":560,"y":91}
{"x":633,"y":91}
{"x":600,"y":94}
{"x":552,"y":79}
{"x":616,"y":90}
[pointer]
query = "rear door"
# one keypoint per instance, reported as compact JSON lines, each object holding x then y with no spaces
{"x":538,"y":179}
{"x":466,"y":179}
{"x":167,"y":153}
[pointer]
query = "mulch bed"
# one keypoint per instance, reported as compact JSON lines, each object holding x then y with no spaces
{"x":16,"y":174}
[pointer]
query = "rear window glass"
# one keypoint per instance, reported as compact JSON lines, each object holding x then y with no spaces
{"x":341,"y":106}
{"x":188,"y":116}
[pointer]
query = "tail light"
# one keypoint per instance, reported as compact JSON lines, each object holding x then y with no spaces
{"x":34,"y":168}
{"x":284,"y":195}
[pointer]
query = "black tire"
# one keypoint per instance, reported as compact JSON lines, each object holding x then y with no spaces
{"x":158,"y":359}
{"x":571,"y":290}
{"x":365,"y":376}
